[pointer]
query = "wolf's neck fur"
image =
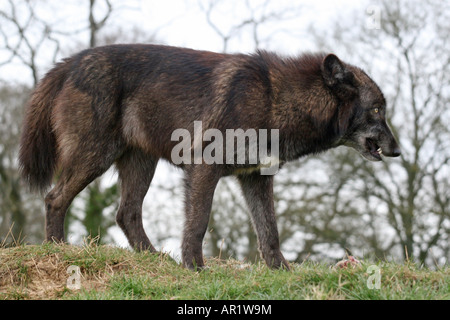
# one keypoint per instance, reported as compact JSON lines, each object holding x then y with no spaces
{"x":303,"y":108}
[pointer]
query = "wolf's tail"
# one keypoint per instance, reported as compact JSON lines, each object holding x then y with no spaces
{"x":37,"y":154}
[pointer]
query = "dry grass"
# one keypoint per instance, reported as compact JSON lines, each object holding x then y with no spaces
{"x":40,"y":272}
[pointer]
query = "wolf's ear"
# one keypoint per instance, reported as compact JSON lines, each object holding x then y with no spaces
{"x":337,"y":77}
{"x":333,"y":70}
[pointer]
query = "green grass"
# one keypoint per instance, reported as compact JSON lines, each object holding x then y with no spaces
{"x":40,"y":272}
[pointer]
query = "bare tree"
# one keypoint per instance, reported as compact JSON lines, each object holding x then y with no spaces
{"x":20,"y":213}
{"x":19,"y":40}
{"x":252,"y":18}
{"x":19,"y":25}
{"x":419,"y":204}
{"x":95,"y":25}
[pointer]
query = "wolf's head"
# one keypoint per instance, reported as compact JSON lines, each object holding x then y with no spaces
{"x":362,"y":109}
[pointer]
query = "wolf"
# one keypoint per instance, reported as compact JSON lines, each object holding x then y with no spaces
{"x":119,"y":105}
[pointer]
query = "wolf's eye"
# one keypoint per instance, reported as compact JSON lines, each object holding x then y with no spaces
{"x":376,"y":110}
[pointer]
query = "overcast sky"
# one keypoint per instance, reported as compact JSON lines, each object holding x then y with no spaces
{"x":183,"y":23}
{"x":186,"y":25}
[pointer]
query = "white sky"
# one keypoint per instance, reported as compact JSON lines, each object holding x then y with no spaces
{"x":186,"y":25}
{"x":182,"y":23}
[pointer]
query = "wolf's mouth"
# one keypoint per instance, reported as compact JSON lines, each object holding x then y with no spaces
{"x":374,"y":149}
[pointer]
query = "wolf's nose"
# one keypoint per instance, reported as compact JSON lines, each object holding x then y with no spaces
{"x":396,"y":152}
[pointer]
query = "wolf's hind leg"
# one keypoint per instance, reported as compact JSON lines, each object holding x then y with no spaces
{"x":74,"y":177}
{"x":136,"y":171}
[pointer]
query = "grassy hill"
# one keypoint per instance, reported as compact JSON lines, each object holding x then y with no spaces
{"x":41,"y":272}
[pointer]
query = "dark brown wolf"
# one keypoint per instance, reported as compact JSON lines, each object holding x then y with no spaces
{"x":120,"y":105}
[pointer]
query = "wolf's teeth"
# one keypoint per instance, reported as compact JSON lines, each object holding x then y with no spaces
{"x":380,"y":151}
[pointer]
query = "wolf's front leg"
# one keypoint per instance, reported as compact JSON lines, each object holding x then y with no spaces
{"x":200,"y":183}
{"x":258,"y":193}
